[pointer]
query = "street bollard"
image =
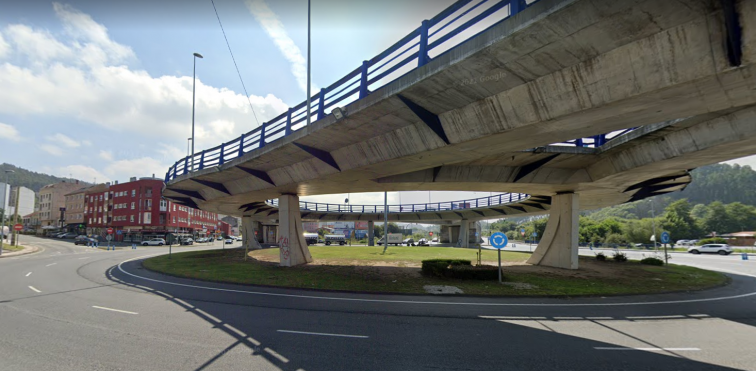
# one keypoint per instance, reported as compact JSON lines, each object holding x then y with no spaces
{"x":133,"y":246}
{"x":744,"y":256}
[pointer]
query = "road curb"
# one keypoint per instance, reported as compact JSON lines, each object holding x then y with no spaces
{"x":28,"y":249}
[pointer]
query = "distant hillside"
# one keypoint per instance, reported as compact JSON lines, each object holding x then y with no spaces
{"x":719,"y":182}
{"x":29,"y":179}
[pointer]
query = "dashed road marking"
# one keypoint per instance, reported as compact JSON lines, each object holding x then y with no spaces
{"x":28,"y":274}
{"x":50,"y":264}
{"x":114,"y":310}
{"x":650,"y":349}
{"x":34,"y":289}
{"x":324,"y":334}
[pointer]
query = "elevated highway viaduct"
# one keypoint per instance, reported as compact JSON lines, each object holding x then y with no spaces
{"x":499,"y":112}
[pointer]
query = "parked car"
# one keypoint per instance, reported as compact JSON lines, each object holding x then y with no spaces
{"x":682,"y":243}
{"x":435,"y":239}
{"x":229,"y":241}
{"x":187,"y":241}
{"x":59,"y":235}
{"x":154,"y":242}
{"x":83,"y":240}
{"x":422,"y":242}
{"x":408,"y":242}
{"x":711,"y":248}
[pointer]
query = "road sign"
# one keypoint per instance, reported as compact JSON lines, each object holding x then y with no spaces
{"x":18,"y":227}
{"x":499,"y":240}
{"x":119,"y":232}
{"x":108,"y":237}
{"x":665,"y":237}
{"x":431,"y":234}
{"x":110,"y":230}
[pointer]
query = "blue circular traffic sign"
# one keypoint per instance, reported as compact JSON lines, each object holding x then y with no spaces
{"x":499,"y":240}
{"x":665,"y":237}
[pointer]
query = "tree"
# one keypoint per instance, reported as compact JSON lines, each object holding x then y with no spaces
{"x":743,"y":217}
{"x":717,"y":219}
{"x":679,"y":222}
{"x":698,"y":211}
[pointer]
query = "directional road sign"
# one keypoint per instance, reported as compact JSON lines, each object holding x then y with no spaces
{"x":665,"y":237}
{"x":499,"y":240}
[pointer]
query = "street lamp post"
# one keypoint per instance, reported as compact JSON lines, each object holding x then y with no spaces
{"x":5,"y":210}
{"x":194,"y":80}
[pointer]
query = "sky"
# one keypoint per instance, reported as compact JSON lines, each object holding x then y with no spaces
{"x":102,"y":90}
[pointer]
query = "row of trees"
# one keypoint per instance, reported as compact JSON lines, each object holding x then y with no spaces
{"x":681,"y":219}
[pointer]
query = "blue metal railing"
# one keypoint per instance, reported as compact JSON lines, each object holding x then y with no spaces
{"x":438,"y":34}
{"x":494,"y":200}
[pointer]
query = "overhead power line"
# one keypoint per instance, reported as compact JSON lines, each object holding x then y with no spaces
{"x":234,"y":59}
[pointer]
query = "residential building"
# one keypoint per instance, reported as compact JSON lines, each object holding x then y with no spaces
{"x":30,"y":221}
{"x":98,"y":209}
{"x":75,"y":206}
{"x":4,"y":196}
{"x":51,"y":204}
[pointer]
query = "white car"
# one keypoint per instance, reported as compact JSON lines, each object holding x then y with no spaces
{"x":229,"y":241}
{"x":711,"y":248}
{"x":154,"y":242}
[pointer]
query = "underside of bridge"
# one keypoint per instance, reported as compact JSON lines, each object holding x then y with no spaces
{"x":566,"y":69}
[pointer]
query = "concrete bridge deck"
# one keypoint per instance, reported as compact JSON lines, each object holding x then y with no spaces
{"x":482,"y":116}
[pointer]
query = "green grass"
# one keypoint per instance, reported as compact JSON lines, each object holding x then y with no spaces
{"x":399,"y":253}
{"x":10,"y":248}
{"x":623,"y":278}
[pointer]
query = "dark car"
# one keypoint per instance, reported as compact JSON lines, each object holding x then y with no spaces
{"x":422,"y":242}
{"x":408,"y":242}
{"x":83,"y":240}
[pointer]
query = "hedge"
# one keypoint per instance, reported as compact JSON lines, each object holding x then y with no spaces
{"x":461,"y":269}
{"x":652,"y":261}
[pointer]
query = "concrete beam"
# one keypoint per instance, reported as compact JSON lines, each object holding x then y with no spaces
{"x":371,"y":233}
{"x":464,"y":234}
{"x":249,"y":237}
{"x":291,"y":242}
{"x":559,"y":245}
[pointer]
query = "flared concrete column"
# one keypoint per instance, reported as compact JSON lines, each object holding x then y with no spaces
{"x":250,"y":240}
{"x":464,"y":234}
{"x":291,"y":242}
{"x":371,"y":233}
{"x":559,"y":244}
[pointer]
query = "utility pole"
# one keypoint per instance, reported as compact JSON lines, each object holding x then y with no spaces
{"x":385,"y":221}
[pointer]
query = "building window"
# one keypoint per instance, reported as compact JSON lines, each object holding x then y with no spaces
{"x":147,"y":218}
{"x":100,"y":197}
{"x":132,"y":205}
{"x":131,"y":219}
{"x":133,"y":193}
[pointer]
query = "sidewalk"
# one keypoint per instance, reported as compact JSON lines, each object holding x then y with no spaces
{"x":24,"y":251}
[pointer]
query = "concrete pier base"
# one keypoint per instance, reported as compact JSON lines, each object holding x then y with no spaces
{"x":371,"y":233}
{"x":559,"y":245}
{"x":291,"y":242}
{"x":251,"y":229}
{"x":464,"y":234}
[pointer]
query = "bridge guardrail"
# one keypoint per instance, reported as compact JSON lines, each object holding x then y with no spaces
{"x":494,"y":200}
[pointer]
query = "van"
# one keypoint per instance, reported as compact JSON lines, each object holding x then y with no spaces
{"x":335,"y":239}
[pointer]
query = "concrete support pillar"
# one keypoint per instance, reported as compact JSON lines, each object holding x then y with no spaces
{"x":477,"y":234}
{"x":464,"y":234}
{"x":250,"y":239}
{"x":291,"y":242}
{"x":559,"y":243}
{"x":371,"y":233}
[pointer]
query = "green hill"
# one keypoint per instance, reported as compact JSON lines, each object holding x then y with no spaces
{"x":29,"y":179}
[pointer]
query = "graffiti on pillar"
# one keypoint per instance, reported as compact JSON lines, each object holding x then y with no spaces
{"x":283,"y":244}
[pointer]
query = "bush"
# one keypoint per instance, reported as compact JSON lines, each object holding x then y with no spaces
{"x":615,"y":239}
{"x":461,"y":269}
{"x":619,"y":257}
{"x":652,"y":261}
{"x":601,"y":257}
{"x":711,"y":240}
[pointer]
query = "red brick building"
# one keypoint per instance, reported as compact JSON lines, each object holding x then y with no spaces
{"x":137,"y":211}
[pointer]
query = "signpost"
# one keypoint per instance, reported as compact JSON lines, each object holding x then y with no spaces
{"x":665,"y":238}
{"x":109,"y":237}
{"x":534,"y":235}
{"x":17,"y":228}
{"x":499,"y":240}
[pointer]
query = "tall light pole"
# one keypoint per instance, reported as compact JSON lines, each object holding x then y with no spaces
{"x":194,"y":80}
{"x":5,"y":209}
{"x":308,"y":64}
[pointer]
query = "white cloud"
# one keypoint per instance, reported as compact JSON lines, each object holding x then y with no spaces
{"x":139,"y":167}
{"x":9,"y":132}
{"x":4,"y":47}
{"x":275,"y":29}
{"x":51,"y":149}
{"x":75,"y":78}
{"x":106,"y":155}
{"x":64,"y":140}
{"x":82,"y":172}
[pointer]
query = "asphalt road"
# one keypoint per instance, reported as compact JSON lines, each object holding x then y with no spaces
{"x":75,"y":308}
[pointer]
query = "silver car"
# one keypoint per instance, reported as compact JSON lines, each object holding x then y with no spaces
{"x":711,"y":248}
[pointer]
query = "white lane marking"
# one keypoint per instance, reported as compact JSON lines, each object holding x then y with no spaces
{"x":275,"y":354}
{"x":650,"y":349}
{"x":120,"y":267}
{"x":114,"y":310}
{"x":324,"y":334}
{"x":34,"y":289}
{"x":86,"y":257}
{"x":50,"y":264}
{"x":28,"y":274}
{"x":656,"y":317}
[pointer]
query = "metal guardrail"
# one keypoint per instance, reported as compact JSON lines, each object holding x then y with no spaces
{"x":442,"y":33}
{"x":494,"y":200}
